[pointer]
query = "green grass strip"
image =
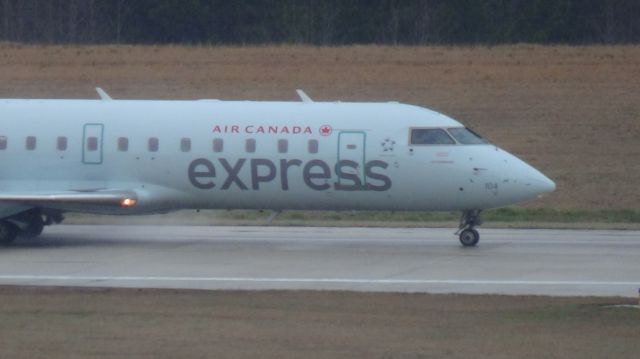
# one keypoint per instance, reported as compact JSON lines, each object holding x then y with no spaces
{"x":508,"y":215}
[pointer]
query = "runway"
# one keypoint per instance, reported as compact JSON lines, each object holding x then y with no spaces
{"x":507,"y":261}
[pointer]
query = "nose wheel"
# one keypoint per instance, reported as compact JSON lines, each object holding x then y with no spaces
{"x":469,"y":237}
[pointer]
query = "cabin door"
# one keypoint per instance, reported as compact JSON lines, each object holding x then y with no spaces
{"x":92,"y":143}
{"x":351,"y":157}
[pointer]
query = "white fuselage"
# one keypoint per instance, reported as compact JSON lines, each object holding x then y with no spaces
{"x":262,"y":155}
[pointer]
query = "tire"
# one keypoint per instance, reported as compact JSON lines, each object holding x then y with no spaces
{"x":8,"y":232}
{"x":34,"y":228}
{"x":469,"y":237}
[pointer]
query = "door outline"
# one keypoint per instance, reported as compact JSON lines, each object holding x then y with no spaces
{"x":89,"y":129}
{"x":361,"y":172}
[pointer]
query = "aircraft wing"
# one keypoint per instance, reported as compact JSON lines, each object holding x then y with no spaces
{"x":109,"y":198}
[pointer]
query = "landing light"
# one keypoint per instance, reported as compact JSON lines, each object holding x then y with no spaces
{"x":128,"y":202}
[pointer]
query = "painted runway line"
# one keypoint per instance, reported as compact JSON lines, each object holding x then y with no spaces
{"x":315,"y":280}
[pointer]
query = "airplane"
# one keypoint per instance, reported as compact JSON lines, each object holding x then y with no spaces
{"x":124,"y":157}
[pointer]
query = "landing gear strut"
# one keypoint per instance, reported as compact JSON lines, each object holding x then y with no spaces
{"x":27,"y":224}
{"x":469,"y":237}
{"x":34,"y":227}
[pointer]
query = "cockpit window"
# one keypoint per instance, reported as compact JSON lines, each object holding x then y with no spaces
{"x":466,"y":137}
{"x":430,"y":136}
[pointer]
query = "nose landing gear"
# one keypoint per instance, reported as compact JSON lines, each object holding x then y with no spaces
{"x":469,"y":237}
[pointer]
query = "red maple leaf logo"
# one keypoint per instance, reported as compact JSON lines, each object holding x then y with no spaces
{"x":325,"y":130}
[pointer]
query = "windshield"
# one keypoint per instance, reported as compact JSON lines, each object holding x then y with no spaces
{"x":467,"y":137}
{"x":430,"y":136}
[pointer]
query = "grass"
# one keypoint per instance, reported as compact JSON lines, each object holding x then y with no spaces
{"x":101,"y":323}
{"x":506,"y":217}
{"x":510,"y":215}
{"x":562,"y":216}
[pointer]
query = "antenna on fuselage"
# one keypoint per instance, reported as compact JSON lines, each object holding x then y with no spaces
{"x":104,"y":96}
{"x":303,"y":96}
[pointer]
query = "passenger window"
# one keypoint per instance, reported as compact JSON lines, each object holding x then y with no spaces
{"x":430,"y":136}
{"x":218,"y":144}
{"x":92,"y":143}
{"x":466,"y":137}
{"x":154,"y":144}
{"x":250,"y":145}
{"x":313,"y":146}
{"x":3,"y":142}
{"x":185,"y":145}
{"x":31,"y":143}
{"x":123,"y":144}
{"x":61,"y":143}
{"x":283,"y":146}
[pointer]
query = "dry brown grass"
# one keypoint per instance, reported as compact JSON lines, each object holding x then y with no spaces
{"x":85,"y":323}
{"x":574,"y":112}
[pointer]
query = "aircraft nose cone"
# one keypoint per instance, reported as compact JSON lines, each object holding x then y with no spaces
{"x":523,"y":182}
{"x":539,"y":183}
{"x":543,"y":184}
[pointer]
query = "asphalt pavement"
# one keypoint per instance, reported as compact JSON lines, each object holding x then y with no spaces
{"x":507,"y":261}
